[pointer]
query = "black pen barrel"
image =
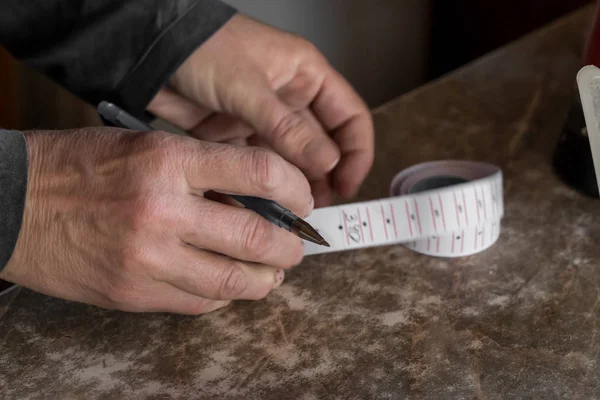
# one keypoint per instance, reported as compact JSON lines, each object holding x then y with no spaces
{"x":270,"y":210}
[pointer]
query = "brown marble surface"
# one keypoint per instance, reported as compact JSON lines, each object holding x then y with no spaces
{"x":517,"y":321}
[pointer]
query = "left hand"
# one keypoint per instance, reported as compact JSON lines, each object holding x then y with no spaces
{"x":254,"y":84}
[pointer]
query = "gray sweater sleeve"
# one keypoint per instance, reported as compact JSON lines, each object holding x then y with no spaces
{"x":13,"y":187}
{"x":114,"y":50}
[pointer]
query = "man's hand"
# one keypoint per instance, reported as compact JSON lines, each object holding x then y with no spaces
{"x":119,"y":220}
{"x":254,"y":84}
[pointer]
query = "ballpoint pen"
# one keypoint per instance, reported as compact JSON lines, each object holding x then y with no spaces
{"x":270,"y":210}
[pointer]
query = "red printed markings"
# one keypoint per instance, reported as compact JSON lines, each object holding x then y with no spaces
{"x":462,"y":241}
{"x":362,"y":234}
{"x":456,"y":208}
{"x":370,"y":225}
{"x":432,"y":215}
{"x":418,"y":216}
{"x":465,"y":208}
{"x":408,"y":219}
{"x":384,"y":222}
{"x":394,"y":221}
{"x":483,"y":236}
{"x":442,"y":211}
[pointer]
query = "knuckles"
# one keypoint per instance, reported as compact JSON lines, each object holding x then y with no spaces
{"x":151,"y":189}
{"x":162,"y":152}
{"x":265,"y":170}
{"x":290,"y":129}
{"x":231,"y":282}
{"x":153,"y":170}
{"x":135,"y":257}
{"x":122,"y":294}
{"x":256,"y":237}
{"x":305,"y":47}
{"x":147,"y":211}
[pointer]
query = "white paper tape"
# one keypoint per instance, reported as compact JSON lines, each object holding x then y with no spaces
{"x":461,"y":218}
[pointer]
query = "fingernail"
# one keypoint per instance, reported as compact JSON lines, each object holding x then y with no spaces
{"x":321,"y":155}
{"x":279,"y":275}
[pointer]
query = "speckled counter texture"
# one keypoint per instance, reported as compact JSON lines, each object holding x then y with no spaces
{"x":518,"y":321}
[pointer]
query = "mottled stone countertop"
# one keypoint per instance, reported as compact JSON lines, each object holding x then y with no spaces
{"x":519,"y":320}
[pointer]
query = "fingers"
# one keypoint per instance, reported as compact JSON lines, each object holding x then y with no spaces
{"x":237,"y":142}
{"x":216,"y":277}
{"x":289,"y":133}
{"x":339,"y":108}
{"x":198,"y":121}
{"x":239,"y":233}
{"x":257,"y":141}
{"x":251,"y":99}
{"x":342,"y":138}
{"x":322,"y":192}
{"x":320,"y":185}
{"x":245,"y":171}
{"x":178,"y":110}
{"x":299,"y":92}
{"x":352,"y":170}
{"x":221,"y":128}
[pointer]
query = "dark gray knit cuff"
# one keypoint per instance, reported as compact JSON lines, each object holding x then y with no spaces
{"x":193,"y":27}
{"x":13,"y":189}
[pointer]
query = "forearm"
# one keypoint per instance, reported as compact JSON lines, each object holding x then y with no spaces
{"x":121,"y":51}
{"x":13,"y":188}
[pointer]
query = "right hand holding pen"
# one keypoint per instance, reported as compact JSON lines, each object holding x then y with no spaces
{"x":118,"y":219}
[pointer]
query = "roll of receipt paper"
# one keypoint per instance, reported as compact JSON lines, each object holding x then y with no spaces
{"x":442,"y":208}
{"x":588,"y":81}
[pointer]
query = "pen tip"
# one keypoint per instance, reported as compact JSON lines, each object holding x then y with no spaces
{"x":307,"y":232}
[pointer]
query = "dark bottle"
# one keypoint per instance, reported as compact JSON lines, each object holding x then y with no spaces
{"x":573,"y":156}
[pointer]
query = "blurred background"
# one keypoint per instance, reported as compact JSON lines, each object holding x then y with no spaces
{"x":384,"y":47}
